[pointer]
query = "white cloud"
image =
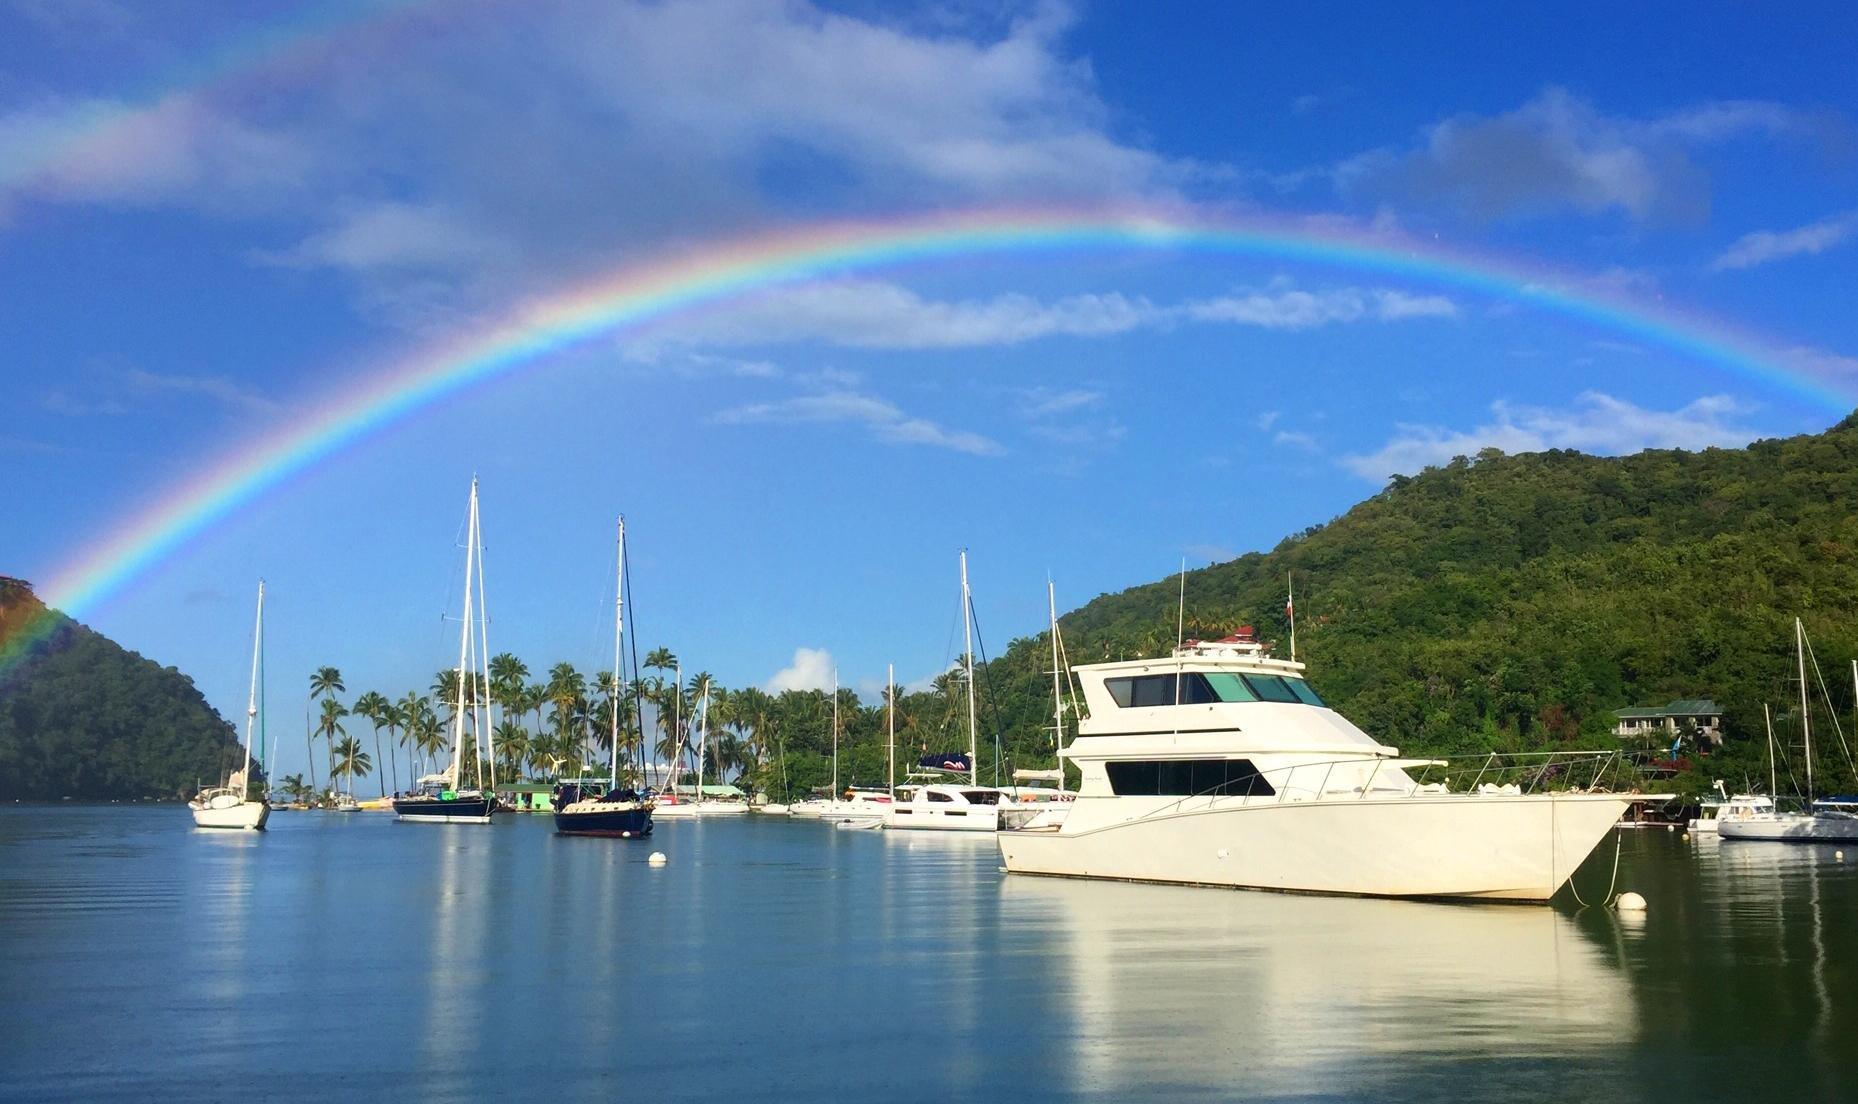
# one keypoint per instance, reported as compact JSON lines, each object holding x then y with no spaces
{"x":811,"y":669}
{"x":1823,"y":364}
{"x":883,"y":420}
{"x":876,"y":315}
{"x":1763,"y":246}
{"x":1596,"y":423}
{"x":114,"y":392}
{"x":1295,"y":439}
{"x":1559,"y":152}
{"x":1043,"y":402}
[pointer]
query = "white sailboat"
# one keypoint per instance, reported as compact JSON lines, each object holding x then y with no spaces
{"x":231,"y":806}
{"x":1828,"y":820}
{"x":440,"y":798}
{"x":701,"y":805}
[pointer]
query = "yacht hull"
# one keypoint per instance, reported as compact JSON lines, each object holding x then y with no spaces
{"x":249,"y":816}
{"x":1791,"y":829}
{"x":911,"y":817}
{"x":1506,"y":848}
{"x":436,"y":810}
{"x":634,"y":822}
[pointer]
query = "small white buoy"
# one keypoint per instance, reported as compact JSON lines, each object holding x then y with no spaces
{"x":1630,"y":902}
{"x":1686,"y":835}
{"x":1670,"y":827}
{"x":658,"y":858}
{"x":1839,"y":855}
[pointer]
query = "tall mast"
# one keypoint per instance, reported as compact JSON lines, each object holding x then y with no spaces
{"x":1051,"y":604}
{"x":890,"y":743}
{"x":677,"y":721}
{"x":487,"y":740}
{"x":1774,"y":786}
{"x":967,"y":629}
{"x":835,"y":734}
{"x":251,"y":699}
{"x":464,"y":639}
{"x":703,"y":736}
{"x":619,"y":636}
{"x":1806,"y":722}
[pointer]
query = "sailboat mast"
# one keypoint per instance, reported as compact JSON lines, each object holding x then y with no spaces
{"x":677,"y":723}
{"x":1051,"y":605}
{"x":703,"y":736}
{"x":1806,"y":722}
{"x":464,"y":638}
{"x":619,"y":637}
{"x":967,"y":629}
{"x":1774,"y":785}
{"x":835,"y":734}
{"x":890,"y":722}
{"x":251,"y":698}
{"x":487,"y":740}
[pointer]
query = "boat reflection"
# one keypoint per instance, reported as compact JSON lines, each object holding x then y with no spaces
{"x":1185,"y":988}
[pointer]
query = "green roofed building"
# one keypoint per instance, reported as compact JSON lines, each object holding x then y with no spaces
{"x":1664,"y":722}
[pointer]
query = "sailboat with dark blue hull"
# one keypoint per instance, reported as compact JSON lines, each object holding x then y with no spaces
{"x":601,"y":807}
{"x":439,"y":798}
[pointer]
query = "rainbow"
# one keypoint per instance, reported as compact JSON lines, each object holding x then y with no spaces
{"x":652,"y":292}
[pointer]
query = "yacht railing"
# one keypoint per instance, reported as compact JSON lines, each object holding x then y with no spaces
{"x":1493,"y":774}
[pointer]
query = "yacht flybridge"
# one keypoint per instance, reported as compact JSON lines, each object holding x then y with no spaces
{"x":1220,"y":765}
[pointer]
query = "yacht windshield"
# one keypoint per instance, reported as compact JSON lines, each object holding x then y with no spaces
{"x":1208,"y":688}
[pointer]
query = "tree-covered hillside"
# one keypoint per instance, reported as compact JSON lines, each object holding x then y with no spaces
{"x":1514,"y":601}
{"x":82,"y":718}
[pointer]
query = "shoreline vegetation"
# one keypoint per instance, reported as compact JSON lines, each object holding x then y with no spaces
{"x":1497,"y":602}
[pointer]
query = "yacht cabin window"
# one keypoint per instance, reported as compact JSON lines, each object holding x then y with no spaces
{"x":937,"y":795}
{"x":982,"y":797}
{"x":1208,"y":688}
{"x":1187,"y":777}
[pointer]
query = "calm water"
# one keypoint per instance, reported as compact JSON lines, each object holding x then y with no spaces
{"x":350,"y":957}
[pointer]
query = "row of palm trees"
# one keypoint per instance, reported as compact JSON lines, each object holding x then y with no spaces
{"x":574,"y":719}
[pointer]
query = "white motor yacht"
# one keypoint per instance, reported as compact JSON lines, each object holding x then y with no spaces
{"x":1726,"y":806}
{"x":857,"y":805}
{"x":1220,"y":765}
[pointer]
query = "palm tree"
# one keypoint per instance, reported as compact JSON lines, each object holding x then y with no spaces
{"x":534,"y":697}
{"x":329,"y":727}
{"x":513,"y":746}
{"x":411,"y":709}
{"x":567,"y":690}
{"x":350,"y":761}
{"x":292,"y":785}
{"x":374,"y":708}
{"x":393,"y":719}
{"x":445,"y":693}
{"x":326,"y":683}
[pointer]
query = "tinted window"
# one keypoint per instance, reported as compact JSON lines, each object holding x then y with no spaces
{"x":1230,"y":687}
{"x":937,"y":796}
{"x":981,"y":797}
{"x":1304,"y":691}
{"x":1187,"y":777}
{"x":1270,"y":688}
{"x":1154,"y":690}
{"x":1120,"y":689}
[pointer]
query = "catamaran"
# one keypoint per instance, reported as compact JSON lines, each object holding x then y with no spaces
{"x":1219,"y":765}
{"x":583,"y":807}
{"x":439,"y":798}
{"x":231,"y":805}
{"x":952,"y":807}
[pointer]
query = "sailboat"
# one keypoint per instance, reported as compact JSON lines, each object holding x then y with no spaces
{"x":951,"y":807}
{"x":701,"y":805}
{"x":231,"y":806}
{"x":1827,"y":820}
{"x":438,"y":798}
{"x":584,"y":807}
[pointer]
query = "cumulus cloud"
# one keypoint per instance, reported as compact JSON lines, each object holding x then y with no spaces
{"x":1559,"y":152}
{"x":1596,"y":423}
{"x":1763,"y":246}
{"x":883,"y":420}
{"x":811,"y":669}
{"x":1281,"y":307}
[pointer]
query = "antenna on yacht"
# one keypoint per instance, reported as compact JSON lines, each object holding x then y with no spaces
{"x":1180,"y":631}
{"x":1051,"y":603}
{"x":1290,"y":611}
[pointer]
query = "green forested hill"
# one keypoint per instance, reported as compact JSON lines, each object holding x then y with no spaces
{"x":82,"y":718}
{"x":1514,"y":601}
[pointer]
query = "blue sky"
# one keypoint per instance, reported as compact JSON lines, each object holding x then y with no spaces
{"x":799,"y":467}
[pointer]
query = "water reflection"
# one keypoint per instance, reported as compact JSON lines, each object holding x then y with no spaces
{"x":1280,"y":994}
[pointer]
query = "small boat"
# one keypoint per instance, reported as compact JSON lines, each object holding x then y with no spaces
{"x":438,"y":798}
{"x":1726,"y":806}
{"x":340,"y":802}
{"x":948,"y":807}
{"x":231,"y":805}
{"x":770,"y":808}
{"x":700,"y":802}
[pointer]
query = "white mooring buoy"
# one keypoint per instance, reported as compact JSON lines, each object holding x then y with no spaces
{"x":1839,"y":855}
{"x":1630,"y":902}
{"x":658,"y":858}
